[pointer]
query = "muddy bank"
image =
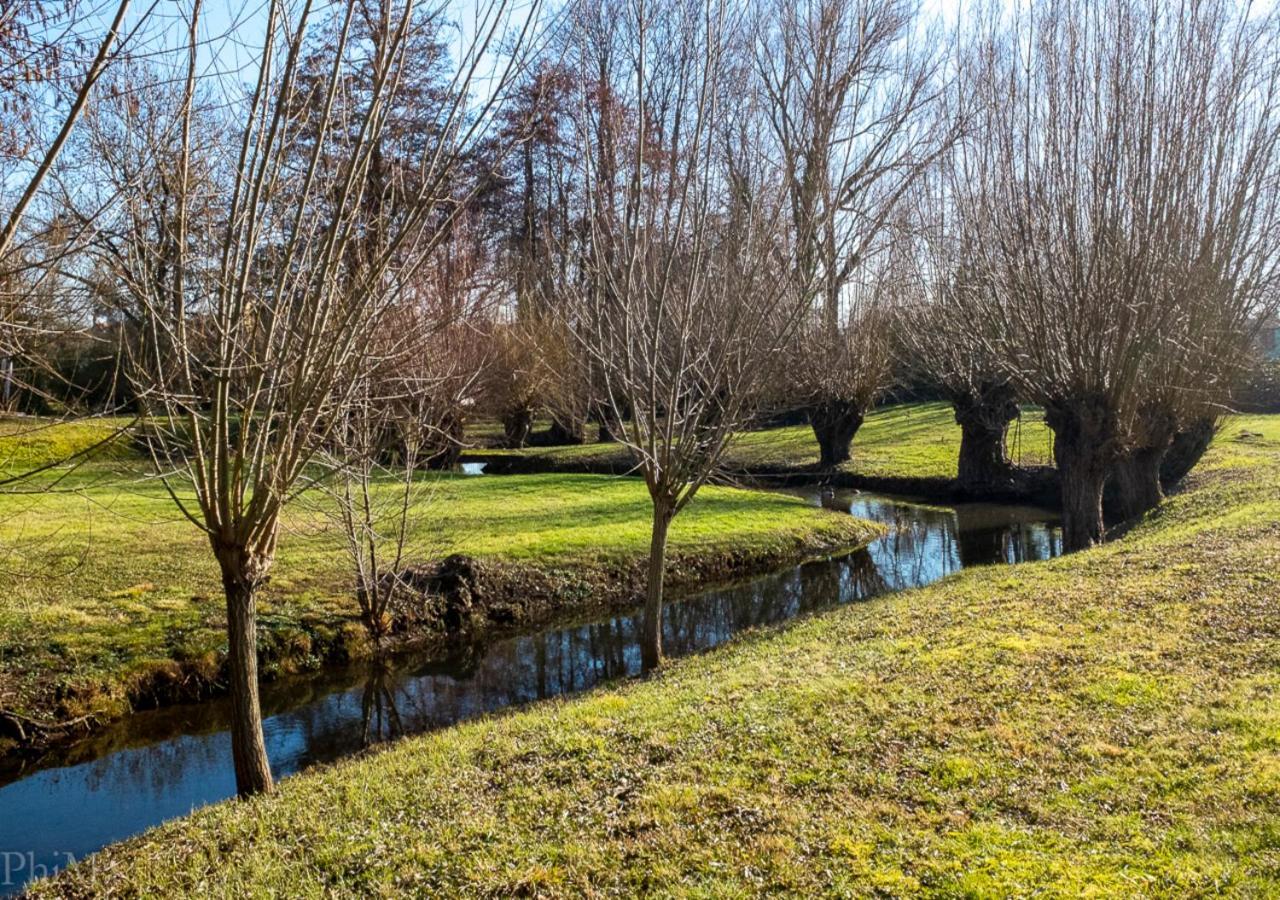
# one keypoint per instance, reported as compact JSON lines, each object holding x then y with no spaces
{"x":459,"y":603}
{"x":1035,"y":485}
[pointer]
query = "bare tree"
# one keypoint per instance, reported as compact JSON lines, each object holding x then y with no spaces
{"x":854,"y":89}
{"x":29,"y":53}
{"x":933,"y":340}
{"x":1205,"y":351}
{"x":511,"y":385}
{"x":258,"y":347}
{"x":42,"y":64}
{"x":536,"y":211}
{"x":683,"y":302}
{"x":1120,"y":169}
{"x":406,"y":415}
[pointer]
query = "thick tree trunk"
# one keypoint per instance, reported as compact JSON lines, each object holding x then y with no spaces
{"x":567,"y":430}
{"x":984,"y":464}
{"x":651,"y":639}
{"x":1136,"y":480}
{"x":516,"y":425}
{"x":248,"y":750}
{"x":609,"y":425}
{"x":1135,"y":487}
{"x":835,"y":422}
{"x":1083,"y":448}
{"x":1185,"y":451}
{"x":1082,"y":483}
{"x":443,"y":447}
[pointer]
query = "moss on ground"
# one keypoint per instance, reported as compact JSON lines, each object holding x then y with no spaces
{"x":108,"y":595}
{"x":1106,"y":724}
{"x":910,"y":441}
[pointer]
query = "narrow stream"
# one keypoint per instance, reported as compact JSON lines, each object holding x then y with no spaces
{"x":157,"y":765}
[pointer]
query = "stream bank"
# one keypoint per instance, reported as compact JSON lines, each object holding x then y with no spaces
{"x":464,"y":602}
{"x":1030,"y":485}
{"x":160,"y":764}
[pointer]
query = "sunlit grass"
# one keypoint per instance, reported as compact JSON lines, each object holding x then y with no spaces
{"x":908,"y":441}
{"x":1105,"y":724}
{"x":102,"y":577}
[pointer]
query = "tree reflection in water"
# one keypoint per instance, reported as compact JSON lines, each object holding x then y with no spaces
{"x":161,"y":764}
{"x":380,"y":720}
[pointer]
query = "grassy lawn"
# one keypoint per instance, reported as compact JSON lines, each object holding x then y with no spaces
{"x":1106,"y":724}
{"x":919,"y":440}
{"x":103,"y":580}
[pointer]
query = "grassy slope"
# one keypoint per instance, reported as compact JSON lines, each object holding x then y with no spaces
{"x":1106,"y":724}
{"x":103,"y":578}
{"x":908,"y":441}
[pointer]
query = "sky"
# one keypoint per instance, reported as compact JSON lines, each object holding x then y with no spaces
{"x":233,"y":29}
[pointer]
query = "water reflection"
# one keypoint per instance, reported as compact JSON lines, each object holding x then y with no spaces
{"x":162,"y":764}
{"x":927,"y":542}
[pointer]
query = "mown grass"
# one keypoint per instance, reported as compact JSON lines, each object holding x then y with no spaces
{"x":102,"y":578}
{"x":28,"y":444}
{"x":909,"y":441}
{"x":1106,"y":724}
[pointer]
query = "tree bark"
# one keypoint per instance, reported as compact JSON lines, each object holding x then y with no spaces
{"x":1136,"y":476}
{"x":443,"y":447}
{"x":1185,"y":451}
{"x":248,"y":749}
{"x":516,"y":425}
{"x":566,"y":430}
{"x":835,"y":422}
{"x":609,"y":426}
{"x":1135,"y":480}
{"x":984,"y":464}
{"x":651,"y":640}
{"x":1083,"y":448}
{"x":1135,"y":487}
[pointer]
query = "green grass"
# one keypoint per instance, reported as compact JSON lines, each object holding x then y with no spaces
{"x":103,"y":581}
{"x":907,"y":441}
{"x":28,"y":444}
{"x":1106,"y":724}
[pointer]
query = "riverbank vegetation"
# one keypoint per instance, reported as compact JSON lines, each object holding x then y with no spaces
{"x":108,"y":599}
{"x":1102,"y":723}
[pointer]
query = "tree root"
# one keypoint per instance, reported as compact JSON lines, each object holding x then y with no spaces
{"x":28,"y":729}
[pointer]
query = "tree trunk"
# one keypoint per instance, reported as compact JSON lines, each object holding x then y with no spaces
{"x":1082,"y":483}
{"x":835,"y":422}
{"x":609,"y":425}
{"x":984,"y":464}
{"x":1135,"y":488}
{"x":1136,"y":477}
{"x":651,"y":640}
{"x":1185,"y":451}
{"x":516,"y":425}
{"x":566,"y":430}
{"x":1083,"y":448}
{"x":248,"y":749}
{"x":443,"y":446}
